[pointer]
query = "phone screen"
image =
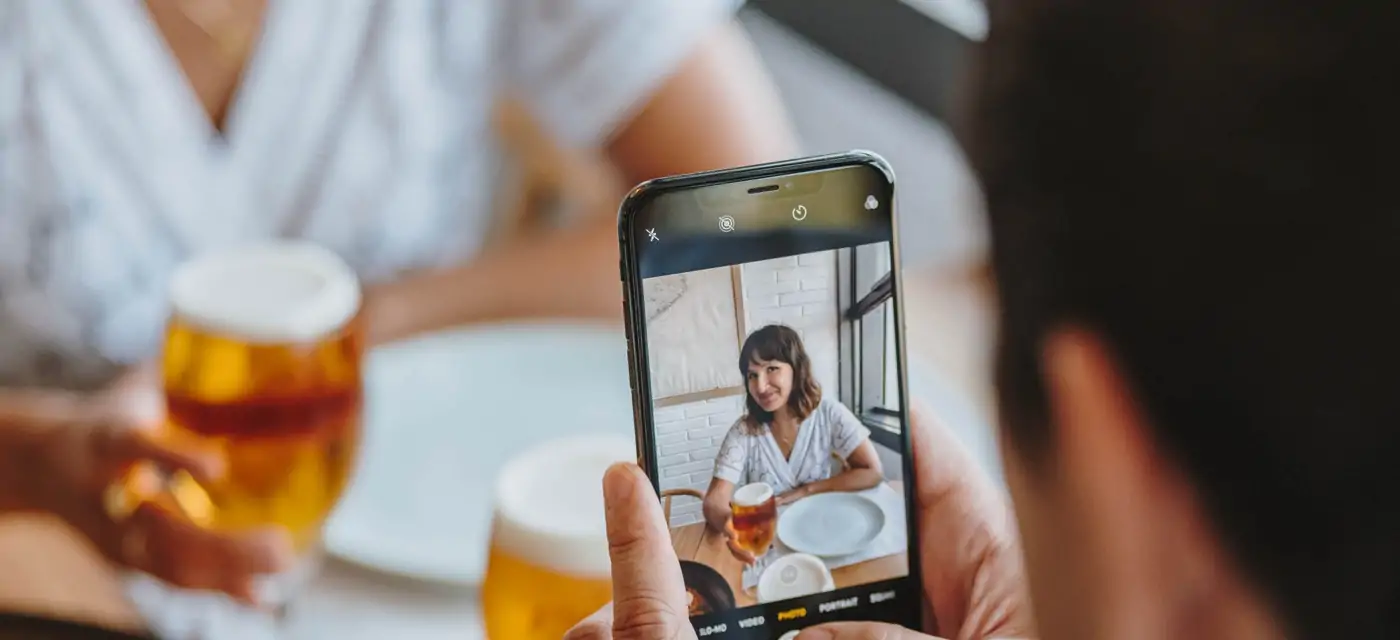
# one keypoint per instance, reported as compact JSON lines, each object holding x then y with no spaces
{"x":763,"y":315}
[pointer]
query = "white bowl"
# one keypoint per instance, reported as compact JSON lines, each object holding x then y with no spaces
{"x":794,"y":576}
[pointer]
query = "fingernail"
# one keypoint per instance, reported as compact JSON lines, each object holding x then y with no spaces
{"x":816,"y":633}
{"x":619,"y":483}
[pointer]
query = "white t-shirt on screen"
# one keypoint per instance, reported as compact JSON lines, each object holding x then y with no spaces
{"x":746,"y":457}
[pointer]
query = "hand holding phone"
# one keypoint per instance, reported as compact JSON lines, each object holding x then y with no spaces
{"x":762,"y":309}
{"x":967,"y":542}
{"x":766,"y":351}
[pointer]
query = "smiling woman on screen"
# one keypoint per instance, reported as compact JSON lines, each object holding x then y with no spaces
{"x":790,"y":436}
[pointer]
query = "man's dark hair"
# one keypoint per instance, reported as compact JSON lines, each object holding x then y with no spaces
{"x":1212,"y":187}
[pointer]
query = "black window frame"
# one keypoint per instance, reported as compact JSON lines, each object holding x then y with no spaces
{"x":865,"y":290}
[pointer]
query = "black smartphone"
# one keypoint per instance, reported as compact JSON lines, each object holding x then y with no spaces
{"x":765,"y":339}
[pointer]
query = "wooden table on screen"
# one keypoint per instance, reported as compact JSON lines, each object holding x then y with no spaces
{"x":697,"y":543}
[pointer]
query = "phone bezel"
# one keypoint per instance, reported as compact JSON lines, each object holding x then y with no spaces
{"x":635,"y":317}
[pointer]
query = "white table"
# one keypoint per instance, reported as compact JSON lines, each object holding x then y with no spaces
{"x":350,"y":603}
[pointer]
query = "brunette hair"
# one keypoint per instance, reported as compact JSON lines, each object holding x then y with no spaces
{"x":779,"y":343}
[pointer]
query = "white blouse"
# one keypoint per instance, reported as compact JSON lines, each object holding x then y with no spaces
{"x":755,"y":457}
{"x":360,"y":124}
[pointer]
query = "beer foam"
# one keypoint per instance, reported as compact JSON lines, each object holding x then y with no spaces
{"x":549,"y":504}
{"x":752,"y":495}
{"x":281,"y":292}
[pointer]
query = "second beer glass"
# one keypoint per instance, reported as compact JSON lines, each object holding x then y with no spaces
{"x":548,"y":566}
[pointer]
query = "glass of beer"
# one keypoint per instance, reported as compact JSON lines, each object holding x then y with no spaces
{"x":754,"y":515}
{"x":548,"y":565}
{"x":262,"y":366}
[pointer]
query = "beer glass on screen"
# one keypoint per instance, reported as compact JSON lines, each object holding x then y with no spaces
{"x":548,"y":565}
{"x":262,"y":366}
{"x":754,"y":517}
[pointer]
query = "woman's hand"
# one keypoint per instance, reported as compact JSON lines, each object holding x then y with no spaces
{"x":731,"y":538}
{"x":971,"y":563}
{"x":789,"y":497}
{"x":86,"y":445}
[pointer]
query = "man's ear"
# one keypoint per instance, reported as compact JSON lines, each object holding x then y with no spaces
{"x":1154,"y":560}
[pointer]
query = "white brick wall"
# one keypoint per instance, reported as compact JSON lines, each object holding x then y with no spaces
{"x":797,"y":291}
{"x":689,"y":436}
{"x":805,"y":288}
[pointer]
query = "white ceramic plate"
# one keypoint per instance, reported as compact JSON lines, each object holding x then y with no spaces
{"x":831,"y":524}
{"x":443,"y":414}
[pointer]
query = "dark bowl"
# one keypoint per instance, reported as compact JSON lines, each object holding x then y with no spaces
{"x":713,"y":590}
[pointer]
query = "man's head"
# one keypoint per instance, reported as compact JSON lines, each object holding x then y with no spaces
{"x":1196,"y":232}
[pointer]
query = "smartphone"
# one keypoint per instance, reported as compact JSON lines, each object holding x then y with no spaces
{"x":765,"y":338}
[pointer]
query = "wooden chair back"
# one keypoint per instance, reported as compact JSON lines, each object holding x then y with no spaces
{"x":669,"y":494}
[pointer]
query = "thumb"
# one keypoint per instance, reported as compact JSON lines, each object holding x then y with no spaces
{"x":861,"y":631}
{"x":648,"y":590}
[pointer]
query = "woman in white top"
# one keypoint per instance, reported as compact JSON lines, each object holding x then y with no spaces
{"x":790,"y":436}
{"x":135,"y":134}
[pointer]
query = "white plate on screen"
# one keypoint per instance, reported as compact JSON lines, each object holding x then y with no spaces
{"x":831,"y":524}
{"x":442,"y":416}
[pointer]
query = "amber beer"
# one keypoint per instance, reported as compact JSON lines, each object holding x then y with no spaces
{"x":754,"y":512}
{"x":548,"y":566}
{"x":262,"y":366}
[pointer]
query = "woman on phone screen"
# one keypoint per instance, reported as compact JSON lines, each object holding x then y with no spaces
{"x":790,"y":436}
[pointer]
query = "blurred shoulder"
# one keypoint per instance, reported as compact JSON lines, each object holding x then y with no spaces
{"x":831,"y":407}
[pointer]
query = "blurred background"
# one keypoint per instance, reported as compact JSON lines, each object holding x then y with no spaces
{"x":889,"y":75}
{"x":882,"y":75}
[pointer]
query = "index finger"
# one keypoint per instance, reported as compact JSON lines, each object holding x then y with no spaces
{"x":124,"y":447}
{"x":971,"y":561}
{"x":647,"y":585}
{"x":942,"y":461}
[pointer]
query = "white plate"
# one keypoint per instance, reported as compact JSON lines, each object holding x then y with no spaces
{"x":443,"y":414}
{"x":831,"y":524}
